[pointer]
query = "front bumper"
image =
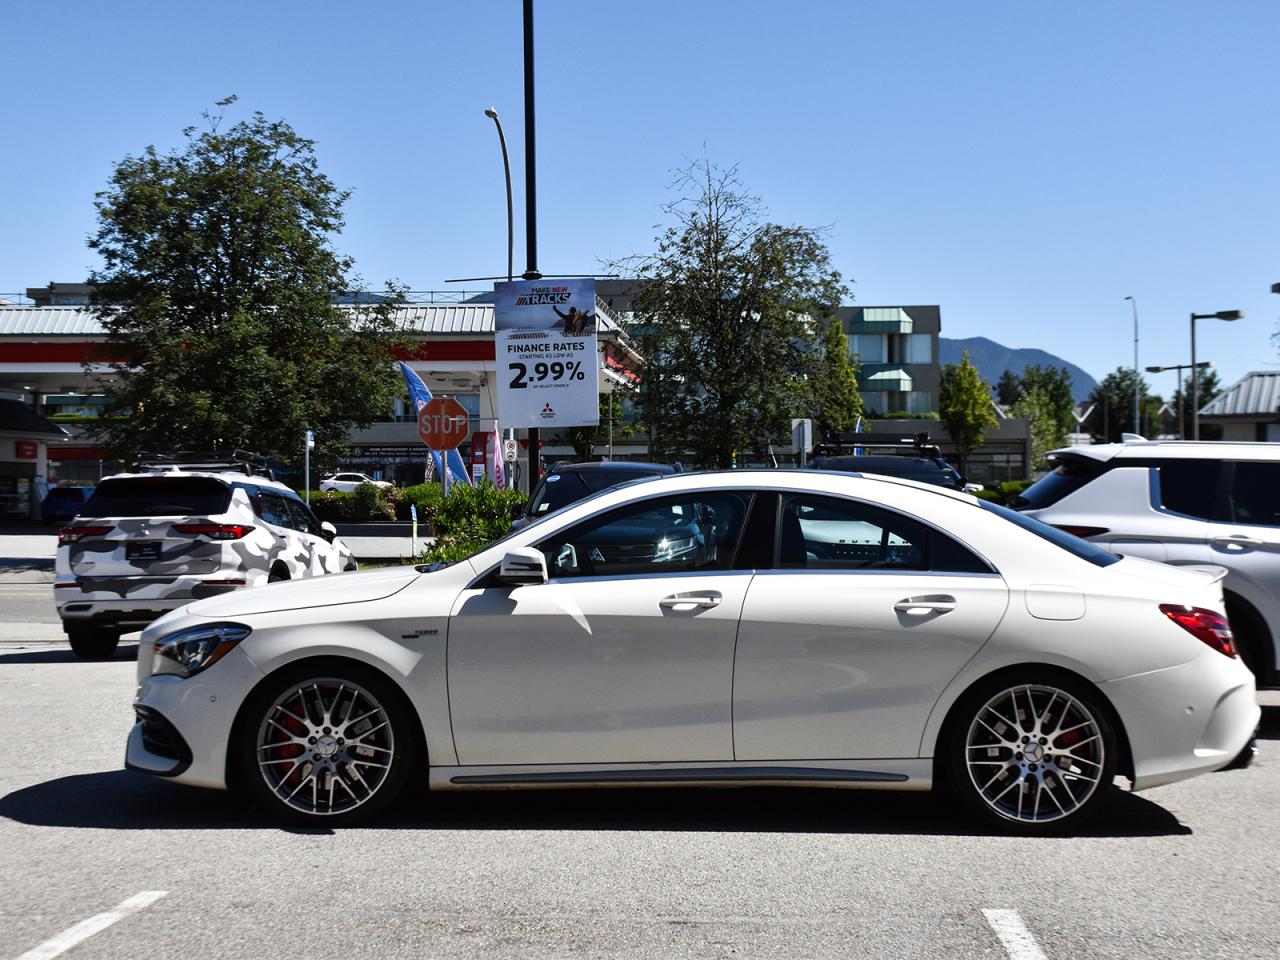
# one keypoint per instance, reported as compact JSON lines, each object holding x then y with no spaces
{"x":197,"y":712}
{"x":1186,"y":720}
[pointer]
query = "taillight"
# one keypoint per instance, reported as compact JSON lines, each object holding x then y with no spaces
{"x":76,"y":534}
{"x":1082,"y":532}
{"x":1205,"y":625}
{"x":214,"y":531}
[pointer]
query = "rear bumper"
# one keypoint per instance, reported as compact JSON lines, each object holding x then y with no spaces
{"x":1186,"y":720}
{"x":82,"y":603}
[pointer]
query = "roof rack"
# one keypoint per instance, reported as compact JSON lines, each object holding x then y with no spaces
{"x":917,"y":443}
{"x":238,"y":461}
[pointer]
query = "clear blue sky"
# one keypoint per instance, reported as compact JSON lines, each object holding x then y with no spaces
{"x":1024,"y":164}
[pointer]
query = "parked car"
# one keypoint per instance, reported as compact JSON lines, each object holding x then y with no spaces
{"x":150,"y":541}
{"x":1184,"y":503}
{"x":347,"y":482}
{"x":911,"y":456}
{"x":567,"y":483}
{"x":64,"y":503}
{"x":741,"y":627}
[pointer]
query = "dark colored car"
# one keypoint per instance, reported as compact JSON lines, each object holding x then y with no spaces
{"x":64,"y":503}
{"x":567,"y":483}
{"x":914,"y":457}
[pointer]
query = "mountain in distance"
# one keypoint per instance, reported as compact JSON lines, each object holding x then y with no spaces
{"x":993,"y":359}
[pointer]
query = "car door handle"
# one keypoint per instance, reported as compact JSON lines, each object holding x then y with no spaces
{"x":1236,"y":541}
{"x":691,"y":601}
{"x":919,"y":606}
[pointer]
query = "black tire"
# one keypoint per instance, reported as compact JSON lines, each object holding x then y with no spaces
{"x":90,"y":642}
{"x":1041,"y":768}
{"x":331,"y":758}
{"x":1253,"y":639}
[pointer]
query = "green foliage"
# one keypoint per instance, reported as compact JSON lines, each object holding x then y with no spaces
{"x":1047,"y":432}
{"x":1113,"y":414}
{"x":727,"y":314}
{"x":216,"y":295}
{"x":965,"y":407}
{"x":1055,"y":401}
{"x":469,"y":519}
{"x":584,"y":440}
{"x":1008,"y":388}
{"x":1209,"y":387}
{"x":837,"y":404}
{"x":904,"y":415}
{"x":351,"y":507}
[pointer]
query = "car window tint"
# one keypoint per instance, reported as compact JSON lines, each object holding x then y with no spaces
{"x":695,"y":531}
{"x":1255,"y":494}
{"x":1190,"y":487}
{"x":273,"y":510}
{"x":598,"y":480}
{"x":827,"y":533}
{"x":556,"y":491}
{"x":1072,"y":544}
{"x":158,"y":497}
{"x":303,"y":519}
{"x":1068,"y":475}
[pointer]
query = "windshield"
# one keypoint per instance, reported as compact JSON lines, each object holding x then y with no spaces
{"x":158,"y":497}
{"x":1059,"y":538}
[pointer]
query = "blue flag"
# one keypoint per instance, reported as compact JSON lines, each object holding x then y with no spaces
{"x":421,"y":396}
{"x":857,"y":428}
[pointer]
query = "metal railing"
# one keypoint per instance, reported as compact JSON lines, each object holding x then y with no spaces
{"x":16,"y":300}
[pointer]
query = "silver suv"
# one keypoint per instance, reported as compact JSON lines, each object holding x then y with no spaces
{"x":148,"y":542}
{"x":1181,"y":502}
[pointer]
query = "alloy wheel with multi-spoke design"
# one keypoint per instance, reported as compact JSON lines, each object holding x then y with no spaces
{"x":325,"y":746}
{"x":1035,"y":753}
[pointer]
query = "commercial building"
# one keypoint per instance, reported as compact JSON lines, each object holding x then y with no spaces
{"x":897,"y":350}
{"x":1249,"y":409}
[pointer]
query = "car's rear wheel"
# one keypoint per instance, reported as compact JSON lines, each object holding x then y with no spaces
{"x":1031,"y":754}
{"x":326,"y":745}
{"x":90,"y":642}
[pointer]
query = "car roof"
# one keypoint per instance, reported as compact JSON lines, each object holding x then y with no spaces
{"x":806,"y":479}
{"x":609,"y":465}
{"x":228,"y":477}
{"x":1174,"y":450}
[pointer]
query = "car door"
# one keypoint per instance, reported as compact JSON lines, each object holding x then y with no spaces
{"x":847,"y":643}
{"x":624,"y":656}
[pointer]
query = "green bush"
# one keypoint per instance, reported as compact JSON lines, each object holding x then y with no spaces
{"x":356,"y":507}
{"x":425,"y":496}
{"x":469,"y":519}
{"x":990,"y":495}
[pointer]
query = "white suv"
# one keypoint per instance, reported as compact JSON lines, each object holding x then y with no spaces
{"x":1181,"y":502}
{"x":146,"y":543}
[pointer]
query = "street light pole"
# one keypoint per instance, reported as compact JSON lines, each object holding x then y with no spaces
{"x":1137,"y":377}
{"x":1195,"y":380}
{"x":1203,"y":365}
{"x":492,"y":114}
{"x":531,"y":203}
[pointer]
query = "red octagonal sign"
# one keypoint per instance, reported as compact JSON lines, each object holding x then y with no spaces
{"x":443,"y":423}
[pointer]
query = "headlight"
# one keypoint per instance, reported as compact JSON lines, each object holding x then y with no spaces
{"x":187,"y":652}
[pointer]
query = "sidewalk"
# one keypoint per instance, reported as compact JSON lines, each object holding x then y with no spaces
{"x":26,"y":556}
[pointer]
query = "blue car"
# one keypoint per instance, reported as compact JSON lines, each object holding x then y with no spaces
{"x":64,"y":503}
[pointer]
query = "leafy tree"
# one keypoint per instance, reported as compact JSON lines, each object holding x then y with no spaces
{"x":1046,"y":432}
{"x":726,"y":315}
{"x":1209,"y":389}
{"x":217,"y":294}
{"x":965,"y":407}
{"x":584,"y":440}
{"x":837,"y":404}
{"x":1056,"y":386}
{"x":1113,"y":413}
{"x":1008,"y":389}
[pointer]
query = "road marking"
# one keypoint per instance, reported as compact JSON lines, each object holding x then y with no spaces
{"x":87,"y":928}
{"x":1013,"y":933}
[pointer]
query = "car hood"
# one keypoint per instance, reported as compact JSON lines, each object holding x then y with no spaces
{"x":312,"y":592}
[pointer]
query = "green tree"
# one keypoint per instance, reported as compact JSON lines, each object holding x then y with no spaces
{"x":1209,"y":388}
{"x":584,"y":440}
{"x":1113,"y":411}
{"x":1056,"y":387}
{"x":217,"y":294}
{"x":1046,"y":432}
{"x":965,"y":407}
{"x":837,"y":404}
{"x":727,"y":315}
{"x":1008,"y":389}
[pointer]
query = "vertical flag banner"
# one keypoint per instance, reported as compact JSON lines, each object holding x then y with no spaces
{"x":499,"y":475}
{"x":545,"y":342}
{"x":421,"y":396}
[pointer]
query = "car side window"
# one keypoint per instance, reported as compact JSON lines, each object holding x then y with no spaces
{"x":828,"y":533}
{"x":1254,"y":494}
{"x":303,"y":519}
{"x":1190,"y":487}
{"x":680,"y":534}
{"x":273,"y":510}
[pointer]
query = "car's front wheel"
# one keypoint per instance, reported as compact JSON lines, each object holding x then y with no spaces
{"x":325,"y":744}
{"x":90,"y":642}
{"x":1032,"y":754}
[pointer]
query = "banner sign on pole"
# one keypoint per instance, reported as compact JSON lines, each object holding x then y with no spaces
{"x":545,"y":338}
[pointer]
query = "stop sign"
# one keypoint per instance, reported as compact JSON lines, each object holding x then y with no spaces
{"x":443,"y":423}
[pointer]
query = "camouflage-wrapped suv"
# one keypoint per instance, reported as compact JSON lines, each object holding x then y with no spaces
{"x":146,"y":543}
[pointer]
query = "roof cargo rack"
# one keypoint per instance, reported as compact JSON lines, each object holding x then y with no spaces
{"x":237,"y":461}
{"x":916,"y":443}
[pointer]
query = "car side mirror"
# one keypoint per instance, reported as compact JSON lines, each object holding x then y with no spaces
{"x":973,"y":488}
{"x":523,"y":565}
{"x":328,"y":531}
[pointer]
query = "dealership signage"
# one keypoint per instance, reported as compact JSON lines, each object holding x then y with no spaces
{"x":545,"y":341}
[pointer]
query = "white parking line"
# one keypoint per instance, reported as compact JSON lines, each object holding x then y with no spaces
{"x":1013,"y":933}
{"x":87,"y":928}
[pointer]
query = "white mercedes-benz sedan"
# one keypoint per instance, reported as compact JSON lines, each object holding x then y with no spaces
{"x":745,"y":627}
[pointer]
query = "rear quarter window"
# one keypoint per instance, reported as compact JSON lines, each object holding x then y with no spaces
{"x":1068,"y":475}
{"x":158,"y":497}
{"x":1191,"y":488}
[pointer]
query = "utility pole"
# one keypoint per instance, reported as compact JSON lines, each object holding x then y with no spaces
{"x":531,"y":203}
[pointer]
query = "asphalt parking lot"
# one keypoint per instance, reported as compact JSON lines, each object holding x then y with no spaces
{"x":96,"y":861}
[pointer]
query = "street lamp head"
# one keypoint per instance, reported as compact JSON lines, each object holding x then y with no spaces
{"x":1128,"y":298}
{"x":1275,"y":288}
{"x":491,"y":113}
{"x":1156,"y":369}
{"x":1229,"y":315}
